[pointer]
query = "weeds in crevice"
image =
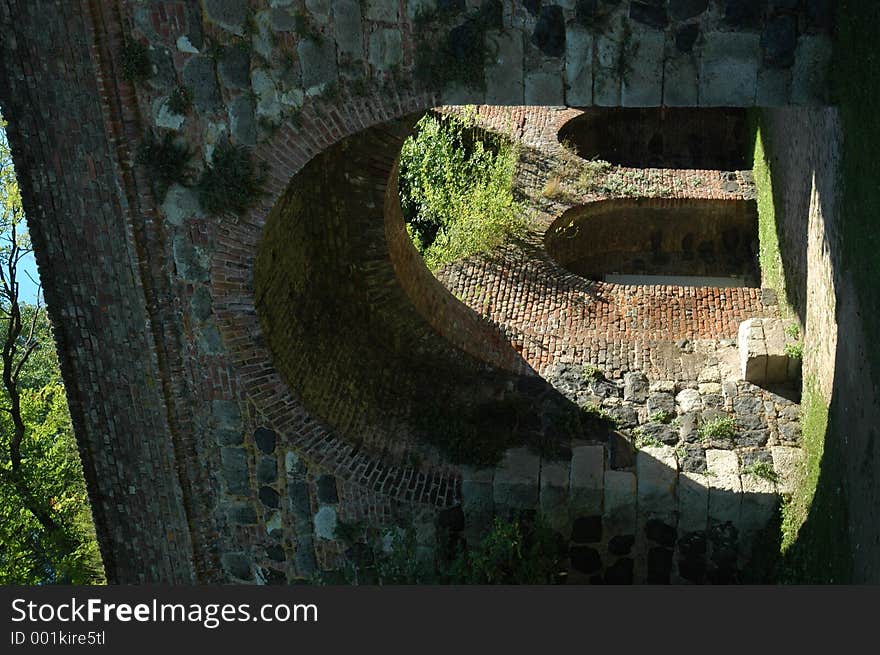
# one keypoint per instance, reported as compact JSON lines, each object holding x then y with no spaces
{"x":231,"y":183}
{"x":166,"y":160}
{"x":134,"y":60}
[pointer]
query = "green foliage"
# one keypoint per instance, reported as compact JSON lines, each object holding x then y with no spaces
{"x":51,"y":470}
{"x":761,"y":469}
{"x":723,"y":427}
{"x":165,"y":159}
{"x":592,"y":373}
{"x":231,"y":183}
{"x":795,"y":350}
{"x":662,"y":416}
{"x":643,"y":440}
{"x":49,"y":477}
{"x":456,"y":191}
{"x":595,"y":418}
{"x":134,"y":59}
{"x":514,"y":552}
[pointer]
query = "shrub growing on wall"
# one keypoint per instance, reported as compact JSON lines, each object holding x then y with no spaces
{"x":456,"y":191}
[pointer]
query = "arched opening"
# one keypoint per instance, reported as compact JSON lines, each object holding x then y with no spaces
{"x":662,"y":137}
{"x":683,"y":242}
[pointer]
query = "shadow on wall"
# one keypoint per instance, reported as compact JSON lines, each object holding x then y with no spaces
{"x":662,"y":137}
{"x":348,"y":340}
{"x":835,"y":507}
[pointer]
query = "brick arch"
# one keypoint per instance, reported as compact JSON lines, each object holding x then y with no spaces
{"x":233,"y":289}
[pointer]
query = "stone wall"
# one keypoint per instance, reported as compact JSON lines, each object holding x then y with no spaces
{"x":172,"y":393}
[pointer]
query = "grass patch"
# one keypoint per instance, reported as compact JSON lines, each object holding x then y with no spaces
{"x":815,"y":546}
{"x":456,"y":190}
{"x":723,"y":427}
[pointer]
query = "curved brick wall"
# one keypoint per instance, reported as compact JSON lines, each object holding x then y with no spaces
{"x":454,"y":320}
{"x":698,"y":237}
{"x":664,"y":137}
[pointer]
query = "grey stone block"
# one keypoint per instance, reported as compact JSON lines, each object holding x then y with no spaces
{"x":643,"y":79}
{"x":318,"y":62}
{"x":693,"y":502}
{"x":657,"y":473}
{"x":812,"y":61}
{"x":386,"y":49}
{"x":635,"y":387}
{"x":516,"y":480}
{"x":587,"y":479}
{"x":729,"y":69}
{"x":554,"y":494}
{"x":725,"y":488}
{"x":348,"y":28}
{"x":242,"y":120}
{"x":504,"y":76}
{"x":199,"y":77}
{"x":237,"y":565}
{"x":233,"y":464}
{"x":579,"y":66}
{"x":325,"y":522}
{"x":619,"y":511}
{"x":228,"y":14}
{"x":544,"y":87}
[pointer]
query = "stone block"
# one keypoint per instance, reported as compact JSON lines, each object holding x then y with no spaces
{"x":693,"y":502}
{"x":199,"y":77}
{"x":680,"y":82}
{"x":504,"y":77}
{"x":729,"y":69}
{"x":657,"y":473}
{"x":234,"y":466}
{"x":643,"y":80}
{"x":237,"y":565}
{"x":386,"y":49}
{"x":777,"y":360}
{"x":789,"y":464}
{"x":635,"y":387}
{"x":579,"y":67}
{"x":348,"y":28}
{"x":382,"y":10}
{"x":752,"y":351}
{"x":619,"y":511}
{"x":242,"y":120}
{"x":606,"y":84}
{"x":228,"y":14}
{"x":325,"y":522}
{"x":318,"y":62}
{"x":689,"y":400}
{"x":587,"y":479}
{"x":544,"y":87}
{"x":554,"y":494}
{"x":759,"y":503}
{"x":477,"y":501}
{"x":516,"y":480}
{"x":812,"y":60}
{"x":725,"y":488}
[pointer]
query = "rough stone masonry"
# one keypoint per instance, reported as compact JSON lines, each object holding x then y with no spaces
{"x":202,"y":465}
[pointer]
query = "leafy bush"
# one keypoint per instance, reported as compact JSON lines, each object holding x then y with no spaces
{"x":514,"y":552}
{"x":795,"y":350}
{"x":165,"y":159}
{"x":456,"y":191}
{"x":231,"y":183}
{"x":723,"y":427}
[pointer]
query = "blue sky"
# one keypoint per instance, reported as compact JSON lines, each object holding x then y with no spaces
{"x":27,"y":269}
